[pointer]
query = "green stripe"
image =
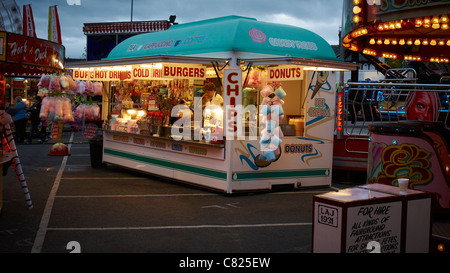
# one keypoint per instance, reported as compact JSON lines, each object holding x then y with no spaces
{"x":261,"y":175}
{"x":222,"y":175}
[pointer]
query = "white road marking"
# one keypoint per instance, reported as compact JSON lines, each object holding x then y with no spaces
{"x":178,"y":227}
{"x":42,"y":231}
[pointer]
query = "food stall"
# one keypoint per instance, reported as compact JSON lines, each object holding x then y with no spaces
{"x":22,"y":59}
{"x":275,"y":125}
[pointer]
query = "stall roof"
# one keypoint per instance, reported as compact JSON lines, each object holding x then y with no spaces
{"x":220,"y":39}
{"x":231,"y":33}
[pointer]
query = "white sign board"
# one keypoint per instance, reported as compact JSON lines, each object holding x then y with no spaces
{"x":232,"y":101}
{"x":380,"y":223}
{"x":285,"y":73}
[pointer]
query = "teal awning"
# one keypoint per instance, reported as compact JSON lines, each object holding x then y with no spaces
{"x":240,"y":35}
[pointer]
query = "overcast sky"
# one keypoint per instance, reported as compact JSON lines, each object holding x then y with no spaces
{"x":320,"y":16}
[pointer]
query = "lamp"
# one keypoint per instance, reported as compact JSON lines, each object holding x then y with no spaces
{"x":172,"y":19}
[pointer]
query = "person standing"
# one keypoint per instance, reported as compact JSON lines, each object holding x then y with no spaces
{"x":20,"y":121}
{"x":211,"y":97}
{"x":35,"y":120}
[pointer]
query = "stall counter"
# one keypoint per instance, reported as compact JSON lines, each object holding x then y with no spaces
{"x":230,"y":167}
{"x":189,"y":161}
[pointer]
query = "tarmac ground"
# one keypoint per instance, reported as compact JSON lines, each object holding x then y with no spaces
{"x":78,"y":208}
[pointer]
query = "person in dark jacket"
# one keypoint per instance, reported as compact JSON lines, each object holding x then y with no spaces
{"x":20,"y":122}
{"x":35,"y":120}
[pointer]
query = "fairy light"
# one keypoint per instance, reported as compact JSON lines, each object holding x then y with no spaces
{"x":418,"y":22}
{"x":439,"y":59}
{"x":357,"y":11}
{"x":391,"y":25}
{"x":389,"y":55}
{"x":369,"y":51}
{"x":435,"y":22}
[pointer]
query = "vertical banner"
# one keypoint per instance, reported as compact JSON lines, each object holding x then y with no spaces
{"x":54,"y":30}
{"x":232,"y":95}
{"x":28,"y":21}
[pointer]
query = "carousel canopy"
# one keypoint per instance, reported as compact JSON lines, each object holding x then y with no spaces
{"x":227,"y":34}
{"x":409,"y":30}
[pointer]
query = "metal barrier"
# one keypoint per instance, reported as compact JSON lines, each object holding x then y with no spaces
{"x":377,"y":102}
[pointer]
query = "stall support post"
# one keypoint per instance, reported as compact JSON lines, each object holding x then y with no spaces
{"x":1,"y":189}
{"x":2,"y":91}
{"x":228,"y":164}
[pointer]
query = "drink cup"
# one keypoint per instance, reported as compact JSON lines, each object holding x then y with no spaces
{"x":403,"y":184}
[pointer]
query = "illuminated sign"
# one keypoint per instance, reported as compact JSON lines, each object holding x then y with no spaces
{"x":340,"y":111}
{"x":232,"y":99}
{"x":181,"y":71}
{"x":142,"y":72}
{"x":101,"y":75}
{"x":285,"y":73}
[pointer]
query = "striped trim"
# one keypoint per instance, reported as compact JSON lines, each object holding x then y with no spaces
{"x":264,"y":175}
{"x":217,"y":174}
